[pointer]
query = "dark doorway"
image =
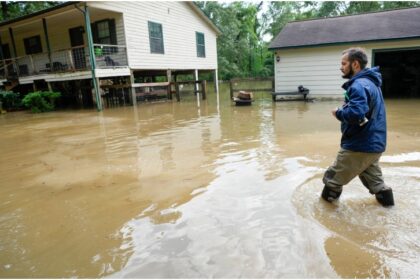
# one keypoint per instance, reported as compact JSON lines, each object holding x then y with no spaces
{"x":400,"y":72}
{"x":77,"y":44}
{"x":5,"y":51}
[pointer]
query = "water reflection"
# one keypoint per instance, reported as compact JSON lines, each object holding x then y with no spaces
{"x":173,"y":190}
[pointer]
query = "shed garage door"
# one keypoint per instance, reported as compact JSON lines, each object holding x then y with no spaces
{"x":400,"y":72}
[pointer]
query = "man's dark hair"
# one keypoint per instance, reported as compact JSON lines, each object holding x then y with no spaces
{"x":357,"y":54}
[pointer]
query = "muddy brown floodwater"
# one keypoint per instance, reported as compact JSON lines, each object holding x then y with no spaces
{"x":175,"y":190}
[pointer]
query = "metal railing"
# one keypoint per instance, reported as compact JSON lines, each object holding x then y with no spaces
{"x":110,"y":56}
{"x":67,"y":60}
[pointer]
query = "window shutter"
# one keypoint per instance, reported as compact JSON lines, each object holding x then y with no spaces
{"x":94,"y":29}
{"x":112,"y":31}
{"x":161,"y":38}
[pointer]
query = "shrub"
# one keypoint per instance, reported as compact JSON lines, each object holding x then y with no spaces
{"x":41,"y":101}
{"x":10,"y":100}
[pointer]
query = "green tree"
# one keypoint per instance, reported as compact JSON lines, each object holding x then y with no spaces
{"x":363,"y":7}
{"x":13,"y":9}
{"x":239,"y":46}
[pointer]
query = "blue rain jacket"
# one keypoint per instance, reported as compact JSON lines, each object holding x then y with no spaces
{"x":363,"y":98}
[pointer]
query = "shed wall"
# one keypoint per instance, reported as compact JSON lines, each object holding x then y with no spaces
{"x":318,"y":68}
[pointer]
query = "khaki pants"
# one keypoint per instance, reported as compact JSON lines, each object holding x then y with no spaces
{"x":351,"y":164}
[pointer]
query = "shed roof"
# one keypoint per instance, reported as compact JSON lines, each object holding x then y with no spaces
{"x":378,"y":26}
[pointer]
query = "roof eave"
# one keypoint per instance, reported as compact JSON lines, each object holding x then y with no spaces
{"x":341,"y":43}
{"x":205,"y":17}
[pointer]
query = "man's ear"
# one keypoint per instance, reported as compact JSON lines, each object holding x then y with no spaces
{"x":355,"y":64}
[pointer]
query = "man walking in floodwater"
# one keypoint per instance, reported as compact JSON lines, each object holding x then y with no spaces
{"x":363,"y":127}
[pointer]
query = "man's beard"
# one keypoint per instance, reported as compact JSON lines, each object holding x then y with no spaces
{"x":349,"y":74}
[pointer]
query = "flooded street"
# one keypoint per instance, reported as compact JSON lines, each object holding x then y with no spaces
{"x":175,"y":190}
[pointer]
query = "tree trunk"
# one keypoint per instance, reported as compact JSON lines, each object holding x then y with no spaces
{"x":5,"y":10}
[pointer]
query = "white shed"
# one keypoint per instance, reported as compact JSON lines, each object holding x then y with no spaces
{"x":309,"y":52}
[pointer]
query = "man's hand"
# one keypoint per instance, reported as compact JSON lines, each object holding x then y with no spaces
{"x":334,"y":112}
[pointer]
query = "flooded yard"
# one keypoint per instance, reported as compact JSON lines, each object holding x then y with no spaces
{"x":179,"y":190}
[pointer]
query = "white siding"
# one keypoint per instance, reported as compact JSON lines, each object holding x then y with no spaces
{"x":179,"y":20}
{"x":318,"y":68}
{"x":179,"y":23}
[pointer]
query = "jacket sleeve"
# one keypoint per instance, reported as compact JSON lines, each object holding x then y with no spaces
{"x":357,"y":107}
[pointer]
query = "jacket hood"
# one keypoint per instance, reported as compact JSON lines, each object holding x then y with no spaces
{"x":372,"y":74}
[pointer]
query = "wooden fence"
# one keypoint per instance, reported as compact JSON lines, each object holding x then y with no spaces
{"x":171,"y":88}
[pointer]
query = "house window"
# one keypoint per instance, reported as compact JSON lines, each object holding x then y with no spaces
{"x":104,"y":33}
{"x":201,"y":46}
{"x":33,"y":45}
{"x":156,"y":37}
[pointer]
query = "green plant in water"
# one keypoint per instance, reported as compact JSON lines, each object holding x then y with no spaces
{"x":10,"y":100}
{"x":41,"y":101}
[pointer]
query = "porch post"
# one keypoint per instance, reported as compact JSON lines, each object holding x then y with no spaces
{"x":12,"y":38}
{"x":216,"y":88}
{"x":169,"y":78}
{"x":216,"y":81}
{"x":1,"y":49}
{"x":6,"y":74}
{"x":196,"y":79}
{"x":44,"y":23}
{"x":92,"y":59}
{"x":133,"y":89}
{"x":196,"y":87}
{"x":2,"y":57}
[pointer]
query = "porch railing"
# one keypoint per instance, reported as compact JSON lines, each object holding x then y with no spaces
{"x":67,"y":60}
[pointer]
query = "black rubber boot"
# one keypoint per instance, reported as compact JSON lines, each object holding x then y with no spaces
{"x":330,"y":194}
{"x":386,"y":198}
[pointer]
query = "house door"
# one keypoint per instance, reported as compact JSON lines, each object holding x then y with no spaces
{"x":78,"y":49}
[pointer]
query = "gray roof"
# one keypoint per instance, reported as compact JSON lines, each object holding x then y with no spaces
{"x":386,"y":25}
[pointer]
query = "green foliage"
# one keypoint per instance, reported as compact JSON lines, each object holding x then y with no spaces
{"x":10,"y":100}
{"x":14,"y":9}
{"x":282,"y":12}
{"x":241,"y":51}
{"x":41,"y":101}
